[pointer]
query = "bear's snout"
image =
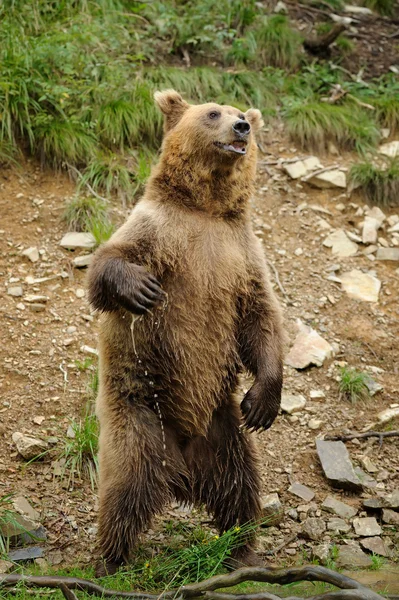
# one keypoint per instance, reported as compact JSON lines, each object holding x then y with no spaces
{"x":241,"y":127}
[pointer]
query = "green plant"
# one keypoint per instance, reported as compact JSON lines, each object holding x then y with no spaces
{"x":8,"y":154}
{"x":60,"y":140}
{"x":345,"y":45}
{"x":384,"y":7}
{"x":108,"y":172}
{"x":352,"y":385}
{"x":377,"y":562}
{"x":380,"y":185}
{"x":83,"y":365}
{"x":80,"y":451}
{"x":277,"y":43}
{"x":10,"y":525}
{"x":314,"y":124}
{"x":81,"y":211}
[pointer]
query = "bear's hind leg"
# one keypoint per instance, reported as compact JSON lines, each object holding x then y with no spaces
{"x":225,"y":478}
{"x":136,"y":475}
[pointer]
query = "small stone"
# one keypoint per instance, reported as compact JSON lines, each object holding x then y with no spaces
{"x":272,"y":510}
{"x":390,"y":517}
{"x":392,"y":500}
{"x":36,"y":298}
{"x":357,"y":10}
{"x":82,"y":261}
{"x":42,"y":564}
{"x":340,"y":244}
{"x":70,"y":432}
{"x":332,"y":505}
{"x":313,"y":528}
{"x":376,"y":213}
{"x":366,"y":526}
{"x":22,"y":507}
{"x":31,"y":253}
{"x":370,"y":250}
{"x":35,"y":307}
{"x":74,"y":239}
{"x":383,"y":242}
{"x":361,"y":286}
{"x":374,"y":503}
{"x":337,"y":466}
{"x":5,"y":567}
{"x":393,"y":220}
{"x":391,"y":149}
{"x":281,"y":8}
{"x":368,"y":464}
{"x":298,"y":252}
{"x":21,"y":306}
{"x":321,"y":553}
{"x":376,"y":546}
{"x":15,"y":291}
{"x":80,"y":293}
{"x":54,"y":557}
{"x":329,"y":179}
{"x":26,"y":554}
{"x":314,"y":424}
{"x":302,"y":167}
{"x":316,"y":394}
{"x":309,"y":348}
{"x":394,"y":228}
{"x":38,"y":420}
{"x":388,"y":254}
{"x":366,"y":479}
{"x":28,"y":447}
{"x":373,"y":386}
{"x":302,"y":491}
{"x":338,"y":525}
{"x":350,"y":557}
{"x":370,"y":230}
{"x":71,"y":329}
{"x":291,"y":403}
{"x":387,"y":415}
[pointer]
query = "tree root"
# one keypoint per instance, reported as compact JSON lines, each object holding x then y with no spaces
{"x":349,"y":588}
{"x":359,"y":436}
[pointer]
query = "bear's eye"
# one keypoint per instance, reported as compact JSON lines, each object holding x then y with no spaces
{"x":214,"y":114}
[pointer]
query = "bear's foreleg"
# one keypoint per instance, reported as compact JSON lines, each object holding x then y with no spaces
{"x":225,"y":478}
{"x":139,"y":465}
{"x":260,"y":345}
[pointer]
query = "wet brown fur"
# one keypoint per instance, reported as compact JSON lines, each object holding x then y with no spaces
{"x":192,"y":231}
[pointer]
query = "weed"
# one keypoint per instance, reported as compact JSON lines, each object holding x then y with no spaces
{"x":377,"y":562}
{"x":8,"y":154}
{"x":81,"y":211}
{"x":101,"y":230}
{"x":379,"y":184}
{"x":345,"y":45}
{"x":83,"y":365}
{"x":108,"y":172}
{"x":352,"y":385}
{"x":384,"y":7}
{"x":61,"y":140}
{"x":314,"y":124}
{"x":80,"y":451}
{"x":278,"y":44}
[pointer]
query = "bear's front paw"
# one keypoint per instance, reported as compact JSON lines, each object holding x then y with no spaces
{"x":261,"y":404}
{"x":140,"y":292}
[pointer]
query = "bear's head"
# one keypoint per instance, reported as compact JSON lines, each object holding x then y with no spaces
{"x":221,"y":134}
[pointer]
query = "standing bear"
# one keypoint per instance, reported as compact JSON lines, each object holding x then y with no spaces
{"x":187,"y":306}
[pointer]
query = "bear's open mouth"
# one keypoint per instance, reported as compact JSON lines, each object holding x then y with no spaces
{"x":238,"y":146}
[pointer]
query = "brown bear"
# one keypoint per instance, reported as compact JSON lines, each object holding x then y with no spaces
{"x":187,"y":306}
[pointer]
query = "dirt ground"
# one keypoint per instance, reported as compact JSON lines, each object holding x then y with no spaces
{"x":39,"y":377}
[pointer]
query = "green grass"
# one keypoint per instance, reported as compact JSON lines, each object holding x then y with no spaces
{"x":377,"y":562}
{"x":81,"y":211}
{"x":79,"y":453}
{"x":313,"y":124}
{"x":352,"y":385}
{"x":384,"y":7}
{"x":380,"y":185}
{"x":277,"y":44}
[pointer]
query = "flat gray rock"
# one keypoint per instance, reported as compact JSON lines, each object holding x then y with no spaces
{"x":309,"y":348}
{"x":25,"y":554}
{"x":352,"y":556}
{"x":313,"y":528}
{"x":336,"y":507}
{"x":27,"y":446}
{"x":15,"y":290}
{"x":272,"y":509}
{"x":291,"y":403}
{"x":338,"y":525}
{"x":390,"y":517}
{"x":77,"y":239}
{"x":302,"y":491}
{"x":387,"y":254}
{"x":321,"y":553}
{"x":366,"y":479}
{"x":337,"y":466}
{"x":376,"y":546}
{"x":82,"y":261}
{"x":366,"y":526}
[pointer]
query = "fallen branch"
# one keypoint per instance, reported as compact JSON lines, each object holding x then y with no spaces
{"x":322,"y":43}
{"x":349,"y":588}
{"x":319,"y":171}
{"x":281,"y":161}
{"x":358,"y":436}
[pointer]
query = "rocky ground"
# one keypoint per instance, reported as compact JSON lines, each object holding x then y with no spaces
{"x":328,"y":256}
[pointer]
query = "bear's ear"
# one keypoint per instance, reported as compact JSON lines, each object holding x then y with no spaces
{"x":254,"y":117}
{"x":172,"y":105}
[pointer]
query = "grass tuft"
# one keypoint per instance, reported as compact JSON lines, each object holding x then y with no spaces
{"x":108,"y":173}
{"x":352,"y":385}
{"x":61,"y":141}
{"x":80,"y":452}
{"x":379,"y":185}
{"x":383,"y":7}
{"x":313,"y":125}
{"x":278,"y":45}
{"x":81,"y":211}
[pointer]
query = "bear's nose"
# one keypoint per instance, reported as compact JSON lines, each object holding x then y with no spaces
{"x":241,"y":127}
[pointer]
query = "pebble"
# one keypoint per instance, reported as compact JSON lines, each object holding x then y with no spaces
{"x":332,"y":505}
{"x":302,"y":491}
{"x":31,"y":253}
{"x":15,"y":291}
{"x":366,"y":526}
{"x":309,"y":348}
{"x":291,"y":403}
{"x":313,"y":528}
{"x":80,"y":293}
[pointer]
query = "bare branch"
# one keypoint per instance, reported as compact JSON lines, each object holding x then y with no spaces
{"x":358,"y":436}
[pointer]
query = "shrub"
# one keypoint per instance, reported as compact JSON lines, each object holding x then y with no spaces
{"x":379,"y":185}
